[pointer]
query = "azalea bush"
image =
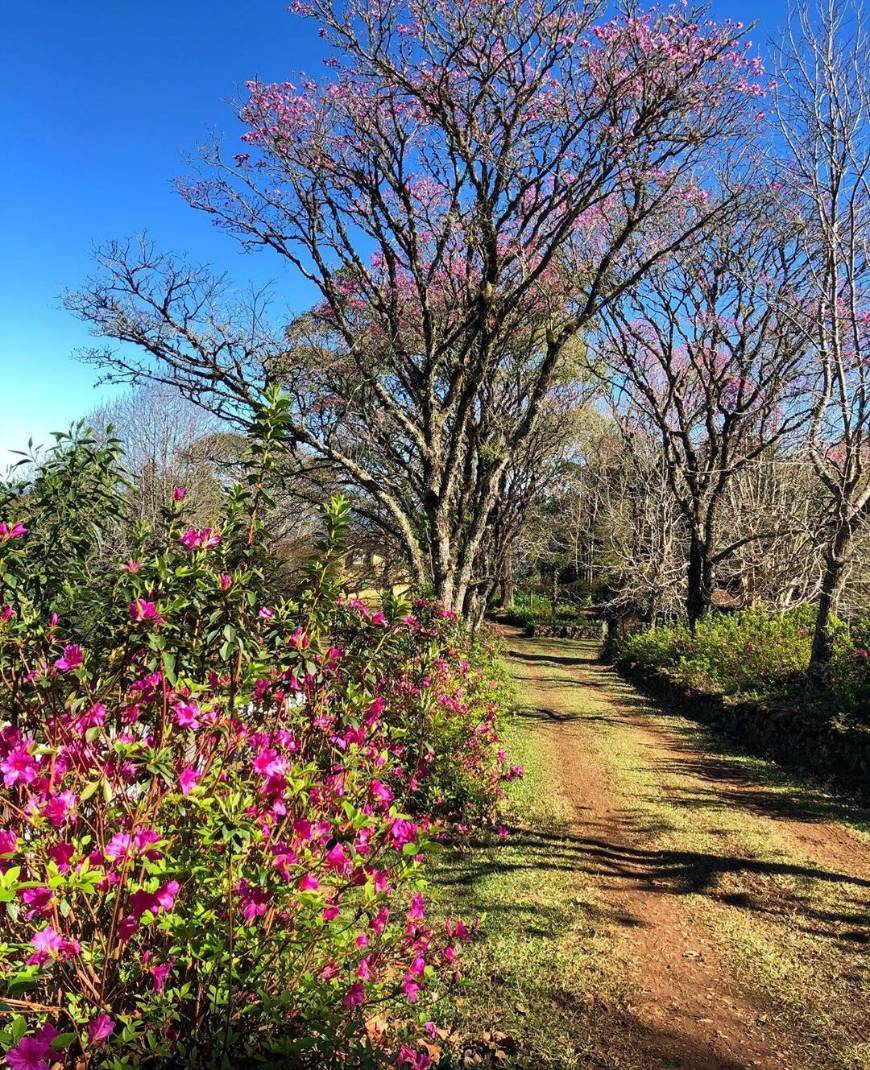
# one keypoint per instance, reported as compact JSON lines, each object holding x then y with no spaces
{"x":217,"y":801}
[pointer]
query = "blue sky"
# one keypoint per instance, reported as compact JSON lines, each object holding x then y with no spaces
{"x":100,"y":103}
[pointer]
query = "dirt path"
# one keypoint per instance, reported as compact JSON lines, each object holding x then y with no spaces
{"x":736,"y":902}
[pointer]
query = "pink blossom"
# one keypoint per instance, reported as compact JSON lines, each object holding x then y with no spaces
{"x":187,"y":779}
{"x":200,"y":538}
{"x":100,"y":1029}
{"x":6,"y":614}
{"x":58,"y":809}
{"x":354,"y":997}
{"x":179,"y":494}
{"x":225,"y":581}
{"x":8,"y":842}
{"x":381,"y":792}
{"x":411,"y":988}
{"x":337,"y":860}
{"x":266,"y":613}
{"x":187,"y":714}
{"x":30,"y":1053}
{"x":19,"y":766}
{"x":159,"y":974}
{"x":165,"y":895}
{"x":71,"y":659}
{"x":141,"y":610}
{"x":11,"y":531}
{"x":131,"y":566}
{"x":308,"y":883}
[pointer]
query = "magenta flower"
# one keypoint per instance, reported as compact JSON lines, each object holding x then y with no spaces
{"x":337,"y":860}
{"x":187,"y":714}
{"x":381,"y":792}
{"x":411,"y":988}
{"x":269,"y":763}
{"x":179,"y":494}
{"x":30,"y":1053}
{"x":71,"y":659}
{"x":160,"y":973}
{"x":11,"y":531}
{"x":266,"y":613}
{"x":200,"y":538}
{"x":100,"y":1029}
{"x":131,"y":566}
{"x":308,"y":883}
{"x":141,"y":610}
{"x":187,"y":779}
{"x":354,"y":997}
{"x":225,"y":581}
{"x":8,"y":842}
{"x":6,"y":614}
{"x":166,"y":895}
{"x":19,"y":766}
{"x":59,"y":808}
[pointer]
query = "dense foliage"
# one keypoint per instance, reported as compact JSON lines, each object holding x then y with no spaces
{"x":217,"y":800}
{"x":758,"y":654}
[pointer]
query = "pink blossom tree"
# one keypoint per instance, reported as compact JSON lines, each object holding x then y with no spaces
{"x":709,"y":352}
{"x":462,"y":188}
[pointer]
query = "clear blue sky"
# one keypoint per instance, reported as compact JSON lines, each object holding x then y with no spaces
{"x":100,"y":103}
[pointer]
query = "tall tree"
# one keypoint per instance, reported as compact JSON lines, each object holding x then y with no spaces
{"x":708,"y":350}
{"x":462,"y":190}
{"x":823,"y":105}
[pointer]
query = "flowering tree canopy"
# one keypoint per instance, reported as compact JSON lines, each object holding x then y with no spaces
{"x":462,"y":187}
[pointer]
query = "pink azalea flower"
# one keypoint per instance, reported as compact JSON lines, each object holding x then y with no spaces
{"x":11,"y":531}
{"x":354,"y":997}
{"x":416,"y":907}
{"x":200,"y":539}
{"x":308,"y":883}
{"x":381,"y":792}
{"x":266,"y":613}
{"x":187,"y":779}
{"x":269,"y":763}
{"x":131,"y":566}
{"x":179,"y":494}
{"x":30,"y":1053}
{"x":187,"y":714}
{"x":141,"y":610}
{"x":336,"y":859}
{"x":166,"y":894}
{"x":19,"y":766}
{"x":299,"y":640}
{"x":100,"y":1029}
{"x":8,"y":842}
{"x":225,"y":581}
{"x":60,"y":854}
{"x":330,"y":913}
{"x":118,"y":846}
{"x":160,"y":973}
{"x":411,"y":988}
{"x":71,"y":659}
{"x":59,"y":808}
{"x":6,"y":614}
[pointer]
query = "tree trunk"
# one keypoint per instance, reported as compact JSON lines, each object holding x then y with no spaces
{"x":700,"y":581}
{"x":832,"y":582}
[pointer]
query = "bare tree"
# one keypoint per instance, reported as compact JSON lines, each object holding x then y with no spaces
{"x":708,"y":351}
{"x":823,"y":104}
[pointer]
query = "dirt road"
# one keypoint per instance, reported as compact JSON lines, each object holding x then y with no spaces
{"x":720,"y":909}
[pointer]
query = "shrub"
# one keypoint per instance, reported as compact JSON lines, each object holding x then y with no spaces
{"x":217,"y":804}
{"x":756,"y":653}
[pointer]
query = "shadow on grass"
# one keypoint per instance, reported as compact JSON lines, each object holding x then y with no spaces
{"x":662,"y":872}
